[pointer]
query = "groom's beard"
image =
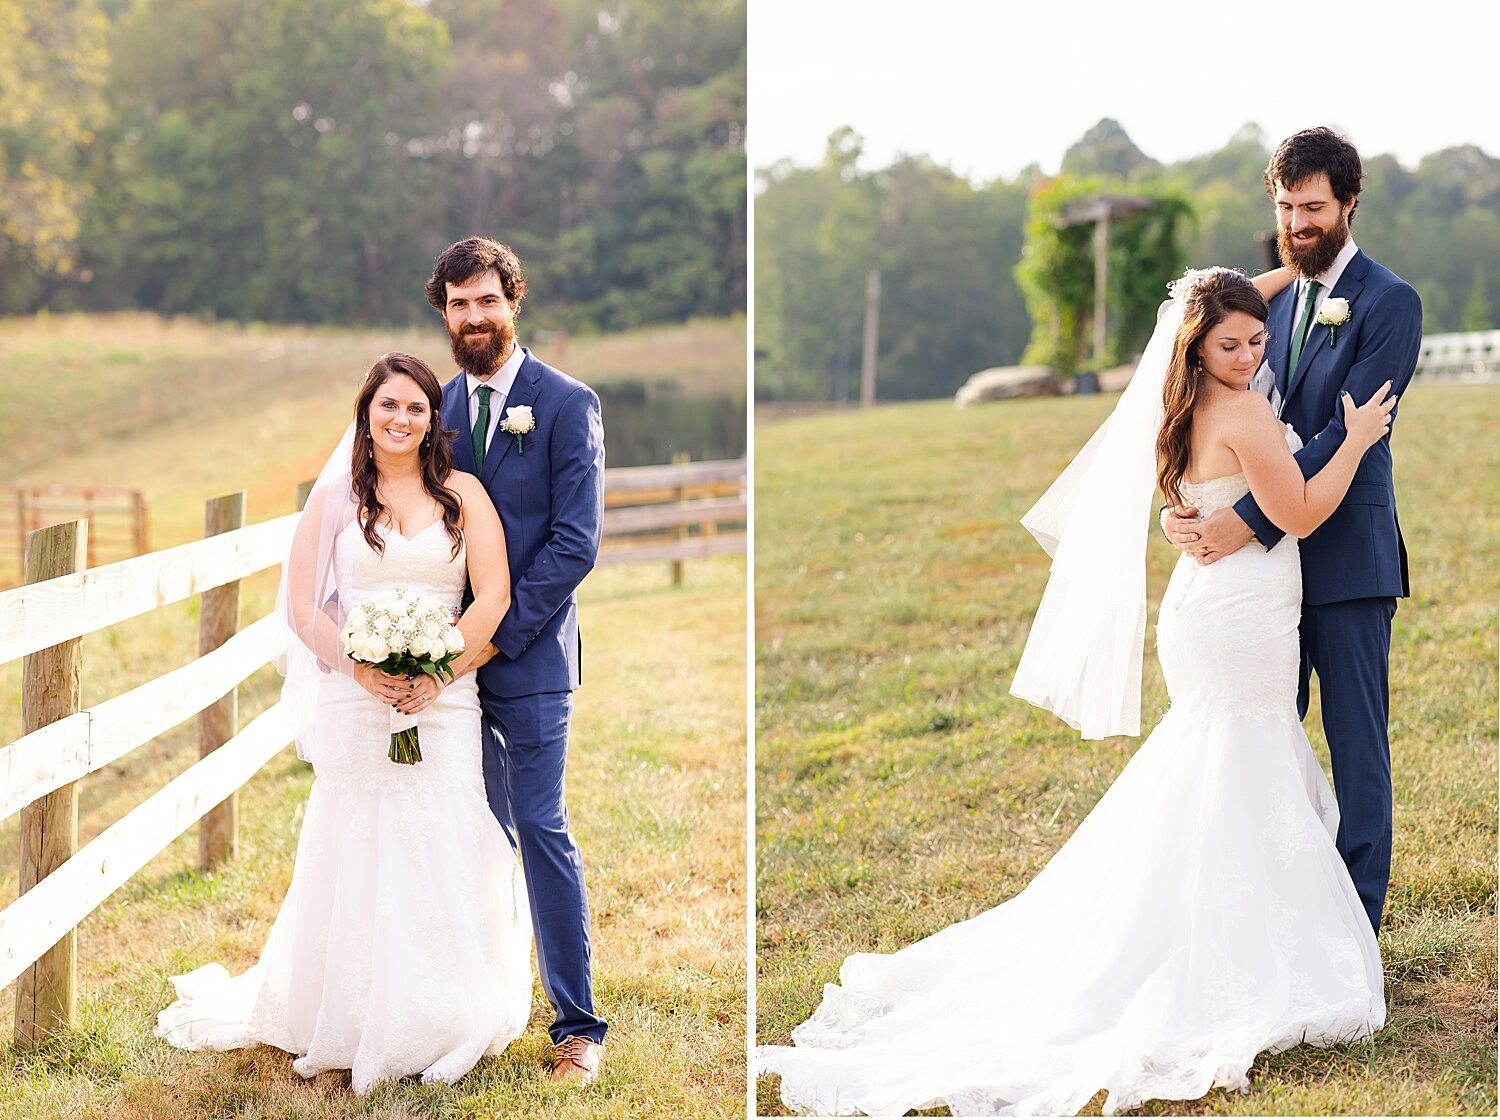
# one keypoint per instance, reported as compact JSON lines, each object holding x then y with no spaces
{"x":482,"y":351}
{"x":1312,"y":256}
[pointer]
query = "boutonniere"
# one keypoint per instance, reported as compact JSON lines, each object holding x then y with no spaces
{"x":518,"y":421}
{"x":1333,"y":315}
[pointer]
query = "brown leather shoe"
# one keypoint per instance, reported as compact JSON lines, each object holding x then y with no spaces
{"x":576,"y":1061}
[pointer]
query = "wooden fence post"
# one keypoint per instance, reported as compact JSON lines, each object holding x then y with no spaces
{"x":138,"y":517}
{"x":304,"y":491}
{"x":46,"y":993}
{"x":681,"y":532}
{"x":21,"y":531}
{"x":217,"y":723}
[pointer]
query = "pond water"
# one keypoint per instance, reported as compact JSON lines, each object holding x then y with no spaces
{"x":646,"y":423}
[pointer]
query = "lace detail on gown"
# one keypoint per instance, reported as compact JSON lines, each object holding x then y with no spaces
{"x":404,"y":943}
{"x":1198,"y":916}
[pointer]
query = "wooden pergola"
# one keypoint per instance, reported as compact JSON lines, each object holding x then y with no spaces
{"x":1099,"y":211}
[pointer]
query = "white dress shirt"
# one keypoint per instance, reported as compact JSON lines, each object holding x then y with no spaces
{"x":1264,"y":381}
{"x":1326,"y":280}
{"x":500,"y":382}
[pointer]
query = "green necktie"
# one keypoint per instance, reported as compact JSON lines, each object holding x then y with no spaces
{"x":481,"y":427}
{"x":1299,"y":336}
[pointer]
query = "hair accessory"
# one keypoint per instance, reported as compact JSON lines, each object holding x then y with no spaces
{"x":1183,"y":287}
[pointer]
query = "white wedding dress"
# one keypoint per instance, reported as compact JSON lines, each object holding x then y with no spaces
{"x":1199,"y":915}
{"x":404,"y":943}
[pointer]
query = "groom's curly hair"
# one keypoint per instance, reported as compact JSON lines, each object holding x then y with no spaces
{"x":470,"y":259}
{"x":1304,"y":154}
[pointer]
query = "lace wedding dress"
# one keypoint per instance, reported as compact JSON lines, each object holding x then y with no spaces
{"x":404,"y":943}
{"x":1199,"y":915}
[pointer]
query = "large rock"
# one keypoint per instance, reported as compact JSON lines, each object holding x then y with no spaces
{"x":1115,"y":380}
{"x":1005,"y":382}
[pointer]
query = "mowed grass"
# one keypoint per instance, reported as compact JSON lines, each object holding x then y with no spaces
{"x":900,"y":788}
{"x":181,"y":408}
{"x":656,"y":790}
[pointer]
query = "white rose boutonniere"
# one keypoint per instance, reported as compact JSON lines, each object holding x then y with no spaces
{"x":518,"y":421}
{"x":1333,"y":315}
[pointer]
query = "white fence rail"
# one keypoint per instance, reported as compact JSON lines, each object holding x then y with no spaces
{"x":1466,"y":356}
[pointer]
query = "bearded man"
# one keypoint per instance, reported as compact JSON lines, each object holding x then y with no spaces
{"x":1346,"y":326}
{"x":535,"y":438}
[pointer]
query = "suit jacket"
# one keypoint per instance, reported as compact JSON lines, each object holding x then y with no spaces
{"x":1358,"y":552}
{"x":549,"y":492}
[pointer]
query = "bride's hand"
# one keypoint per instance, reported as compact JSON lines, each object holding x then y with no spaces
{"x":1368,"y":423}
{"x":1182,"y":525}
{"x":423,"y":691}
{"x":384,"y":687}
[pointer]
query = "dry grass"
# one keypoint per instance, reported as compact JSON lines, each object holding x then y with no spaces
{"x":899,"y":788}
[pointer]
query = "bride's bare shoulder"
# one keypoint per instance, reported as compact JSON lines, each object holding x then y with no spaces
{"x":1246,"y":416}
{"x":471,"y":493}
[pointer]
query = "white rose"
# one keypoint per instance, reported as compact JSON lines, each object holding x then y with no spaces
{"x":453,"y":638}
{"x":518,"y":420}
{"x":437,"y":651}
{"x":1334,"y":313}
{"x":382,"y":624}
{"x":375,"y":650}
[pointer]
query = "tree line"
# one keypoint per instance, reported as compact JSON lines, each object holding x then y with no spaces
{"x":306,"y":160}
{"x":975,"y":275}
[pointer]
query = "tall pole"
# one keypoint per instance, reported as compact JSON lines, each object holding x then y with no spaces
{"x":1101,"y":286}
{"x":872,"y":339}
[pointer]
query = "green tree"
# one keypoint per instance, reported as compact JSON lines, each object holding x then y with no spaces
{"x":815,"y":238}
{"x":268,"y":155}
{"x":1106,"y":149}
{"x":53,"y":66}
{"x":1477,"y":315}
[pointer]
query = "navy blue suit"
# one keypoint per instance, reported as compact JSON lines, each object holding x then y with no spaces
{"x":1354,"y":565}
{"x":548,"y":488}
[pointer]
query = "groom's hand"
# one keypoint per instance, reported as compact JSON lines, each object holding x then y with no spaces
{"x":1222,"y":533}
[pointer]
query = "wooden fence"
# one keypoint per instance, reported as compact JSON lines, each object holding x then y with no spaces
{"x":116,"y":516}
{"x":674,"y":513}
{"x":654,"y":514}
{"x":44,"y":622}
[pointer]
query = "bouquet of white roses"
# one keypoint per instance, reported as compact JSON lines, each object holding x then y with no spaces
{"x":403,"y":633}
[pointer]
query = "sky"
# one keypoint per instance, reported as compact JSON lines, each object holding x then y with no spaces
{"x":987,"y":87}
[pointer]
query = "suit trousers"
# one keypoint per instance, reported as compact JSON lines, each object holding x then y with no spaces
{"x":1348,"y":645}
{"x":525,"y":754}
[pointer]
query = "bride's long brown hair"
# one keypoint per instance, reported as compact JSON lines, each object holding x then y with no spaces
{"x":435,"y":452}
{"x":1212,"y":298}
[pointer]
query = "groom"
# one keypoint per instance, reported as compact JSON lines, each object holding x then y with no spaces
{"x":1346,"y":325}
{"x":534,"y":437}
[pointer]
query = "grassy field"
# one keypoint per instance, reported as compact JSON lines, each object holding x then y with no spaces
{"x":900,"y":788}
{"x":656,"y":779}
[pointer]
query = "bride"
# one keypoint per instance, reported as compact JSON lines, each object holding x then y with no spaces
{"x":1200,"y":914}
{"x":404,"y":943}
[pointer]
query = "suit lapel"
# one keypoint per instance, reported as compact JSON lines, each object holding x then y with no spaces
{"x":523,"y":392}
{"x":456,"y":417}
{"x":1281,"y":327}
{"x":1350,"y":284}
